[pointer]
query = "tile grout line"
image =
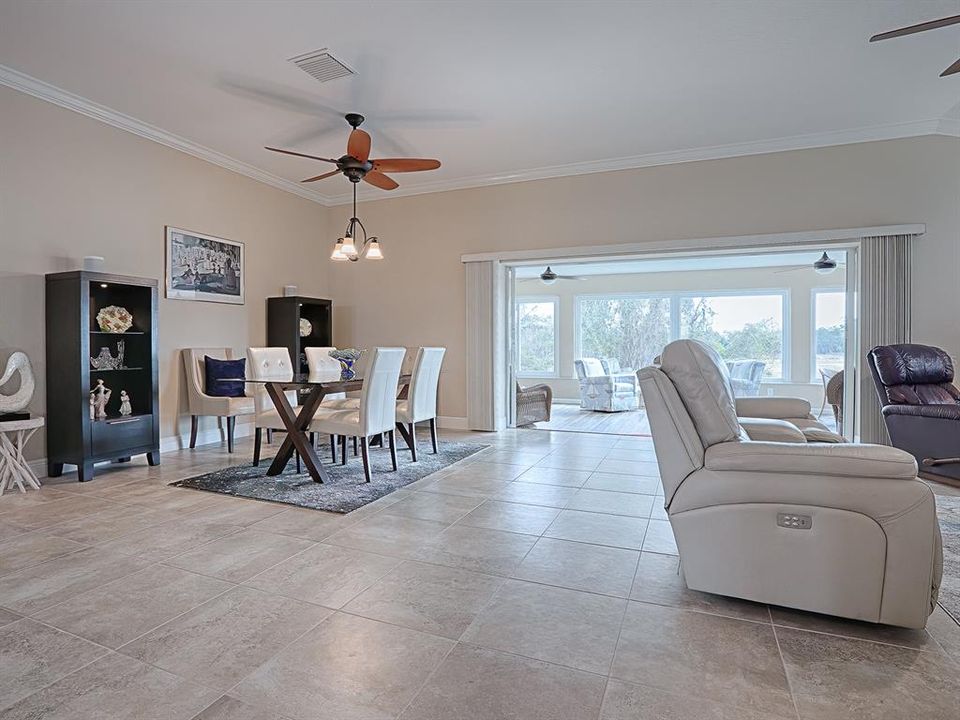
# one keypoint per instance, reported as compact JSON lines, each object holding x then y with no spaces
{"x":783,"y":664}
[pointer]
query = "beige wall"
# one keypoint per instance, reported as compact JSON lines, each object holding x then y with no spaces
{"x":798,"y":284}
{"x":71,"y":186}
{"x":416,"y":295}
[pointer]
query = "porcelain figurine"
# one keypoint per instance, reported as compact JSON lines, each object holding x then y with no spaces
{"x":101,"y":396}
{"x":125,"y":408}
{"x":18,"y":362}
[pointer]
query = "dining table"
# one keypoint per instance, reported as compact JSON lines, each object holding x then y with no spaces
{"x":310,"y":389}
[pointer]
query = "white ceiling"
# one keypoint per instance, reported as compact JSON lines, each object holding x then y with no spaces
{"x":773,"y":260}
{"x":498,"y":91}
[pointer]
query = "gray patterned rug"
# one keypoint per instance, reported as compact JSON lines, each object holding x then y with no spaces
{"x":948,"y":513}
{"x":346,"y":489}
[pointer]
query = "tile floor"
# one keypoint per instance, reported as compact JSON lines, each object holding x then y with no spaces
{"x":534,"y":581}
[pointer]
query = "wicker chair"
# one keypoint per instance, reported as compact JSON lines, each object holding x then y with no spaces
{"x":533,"y":404}
{"x":833,"y":393}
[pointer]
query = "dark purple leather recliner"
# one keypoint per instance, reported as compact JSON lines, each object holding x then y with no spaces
{"x":921,"y":406}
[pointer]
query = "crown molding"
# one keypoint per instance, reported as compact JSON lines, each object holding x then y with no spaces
{"x":45,"y":91}
{"x":893,"y":131}
{"x":948,"y":126}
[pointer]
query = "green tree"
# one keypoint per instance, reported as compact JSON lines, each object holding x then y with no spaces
{"x":536,"y":337}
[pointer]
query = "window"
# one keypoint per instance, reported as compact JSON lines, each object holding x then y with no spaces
{"x":537,"y":337}
{"x":745,"y":326}
{"x":829,"y":331}
{"x":632,"y":329}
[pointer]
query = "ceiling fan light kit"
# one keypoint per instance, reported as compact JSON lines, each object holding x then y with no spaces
{"x":825,"y":265}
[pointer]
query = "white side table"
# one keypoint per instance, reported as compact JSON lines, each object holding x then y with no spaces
{"x":14,"y":469}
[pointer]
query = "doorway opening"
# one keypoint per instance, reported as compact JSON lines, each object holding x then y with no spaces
{"x":578,"y":333}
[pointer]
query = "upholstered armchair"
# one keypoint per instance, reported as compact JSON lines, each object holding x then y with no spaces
{"x":534,"y":403}
{"x":606,"y":392}
{"x":844,"y":529}
{"x":921,"y":405}
{"x":745,"y":376}
{"x":200,"y":403}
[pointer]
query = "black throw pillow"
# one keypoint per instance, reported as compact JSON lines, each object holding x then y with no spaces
{"x":216,"y":370}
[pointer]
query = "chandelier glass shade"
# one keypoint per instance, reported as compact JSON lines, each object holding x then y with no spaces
{"x":355,"y":242}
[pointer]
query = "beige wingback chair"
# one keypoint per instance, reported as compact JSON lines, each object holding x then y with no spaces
{"x":844,"y":529}
{"x":200,"y":403}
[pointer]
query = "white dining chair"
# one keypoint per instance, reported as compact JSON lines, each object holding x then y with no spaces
{"x":267,"y":363}
{"x":421,"y":402}
{"x":321,"y":366}
{"x":376,"y":413}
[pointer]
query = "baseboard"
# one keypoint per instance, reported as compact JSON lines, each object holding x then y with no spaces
{"x":452,"y":422}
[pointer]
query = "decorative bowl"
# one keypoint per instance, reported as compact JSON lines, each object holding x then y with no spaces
{"x":306,"y":327}
{"x":114,"y":319}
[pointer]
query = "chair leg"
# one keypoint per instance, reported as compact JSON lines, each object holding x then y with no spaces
{"x":393,"y":449}
{"x":343,"y":449}
{"x":269,"y":436}
{"x":257,"y":438}
{"x":354,"y":447}
{"x":433,"y":434}
{"x":194,"y":422}
{"x":412,"y":429}
{"x":333,"y":447}
{"x":298,"y":461}
{"x":231,"y":425}
{"x":365,"y":452}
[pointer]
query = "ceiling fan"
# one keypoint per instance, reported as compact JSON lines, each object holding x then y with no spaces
{"x":356,"y":165}
{"x":824,"y":265}
{"x":549,"y":277}
{"x":923,"y":27}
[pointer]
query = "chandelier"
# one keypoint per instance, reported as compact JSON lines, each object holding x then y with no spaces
{"x":355,"y":242}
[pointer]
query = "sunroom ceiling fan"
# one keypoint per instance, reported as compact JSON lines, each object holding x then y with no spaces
{"x":923,"y":27}
{"x":549,"y":277}
{"x":824,"y":265}
{"x":356,"y":164}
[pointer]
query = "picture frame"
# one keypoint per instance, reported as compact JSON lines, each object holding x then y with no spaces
{"x":204,"y":268}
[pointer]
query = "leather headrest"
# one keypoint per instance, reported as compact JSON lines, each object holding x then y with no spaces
{"x":912,"y":365}
{"x":702,"y":381}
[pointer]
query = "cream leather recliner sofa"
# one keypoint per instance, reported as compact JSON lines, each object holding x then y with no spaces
{"x":843,"y":529}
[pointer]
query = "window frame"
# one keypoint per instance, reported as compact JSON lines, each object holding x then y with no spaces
{"x":814,"y":374}
{"x":555,"y":301}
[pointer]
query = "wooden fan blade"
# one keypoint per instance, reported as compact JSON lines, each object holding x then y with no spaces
{"x":303,"y":155}
{"x":378,"y":179}
{"x":358,"y":146}
{"x":321,"y":177}
{"x":920,"y":27}
{"x":404,"y":164}
{"x":955,"y":68}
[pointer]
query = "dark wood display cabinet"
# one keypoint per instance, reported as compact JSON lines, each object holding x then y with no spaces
{"x":283,"y":325}
{"x":76,"y":345}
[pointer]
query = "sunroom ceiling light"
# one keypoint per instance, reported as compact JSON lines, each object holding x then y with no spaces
{"x":825,"y":265}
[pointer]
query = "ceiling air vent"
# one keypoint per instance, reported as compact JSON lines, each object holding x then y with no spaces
{"x":321,"y":65}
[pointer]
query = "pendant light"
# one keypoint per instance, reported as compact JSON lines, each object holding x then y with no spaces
{"x":346,"y":247}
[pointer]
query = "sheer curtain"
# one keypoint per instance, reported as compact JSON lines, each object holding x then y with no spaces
{"x":884,"y":317}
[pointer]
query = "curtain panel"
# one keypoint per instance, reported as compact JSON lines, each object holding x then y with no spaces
{"x":885,"y":296}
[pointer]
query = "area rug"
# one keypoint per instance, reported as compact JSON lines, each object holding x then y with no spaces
{"x":346,"y":489}
{"x":948,"y":513}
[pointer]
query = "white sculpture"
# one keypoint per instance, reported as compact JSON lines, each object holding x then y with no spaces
{"x":101,"y":396}
{"x":125,"y":408}
{"x":18,"y":362}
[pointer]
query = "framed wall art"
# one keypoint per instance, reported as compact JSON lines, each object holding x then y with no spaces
{"x":202,"y":267}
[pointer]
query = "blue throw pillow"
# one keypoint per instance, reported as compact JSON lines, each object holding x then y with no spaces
{"x":216,"y":370}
